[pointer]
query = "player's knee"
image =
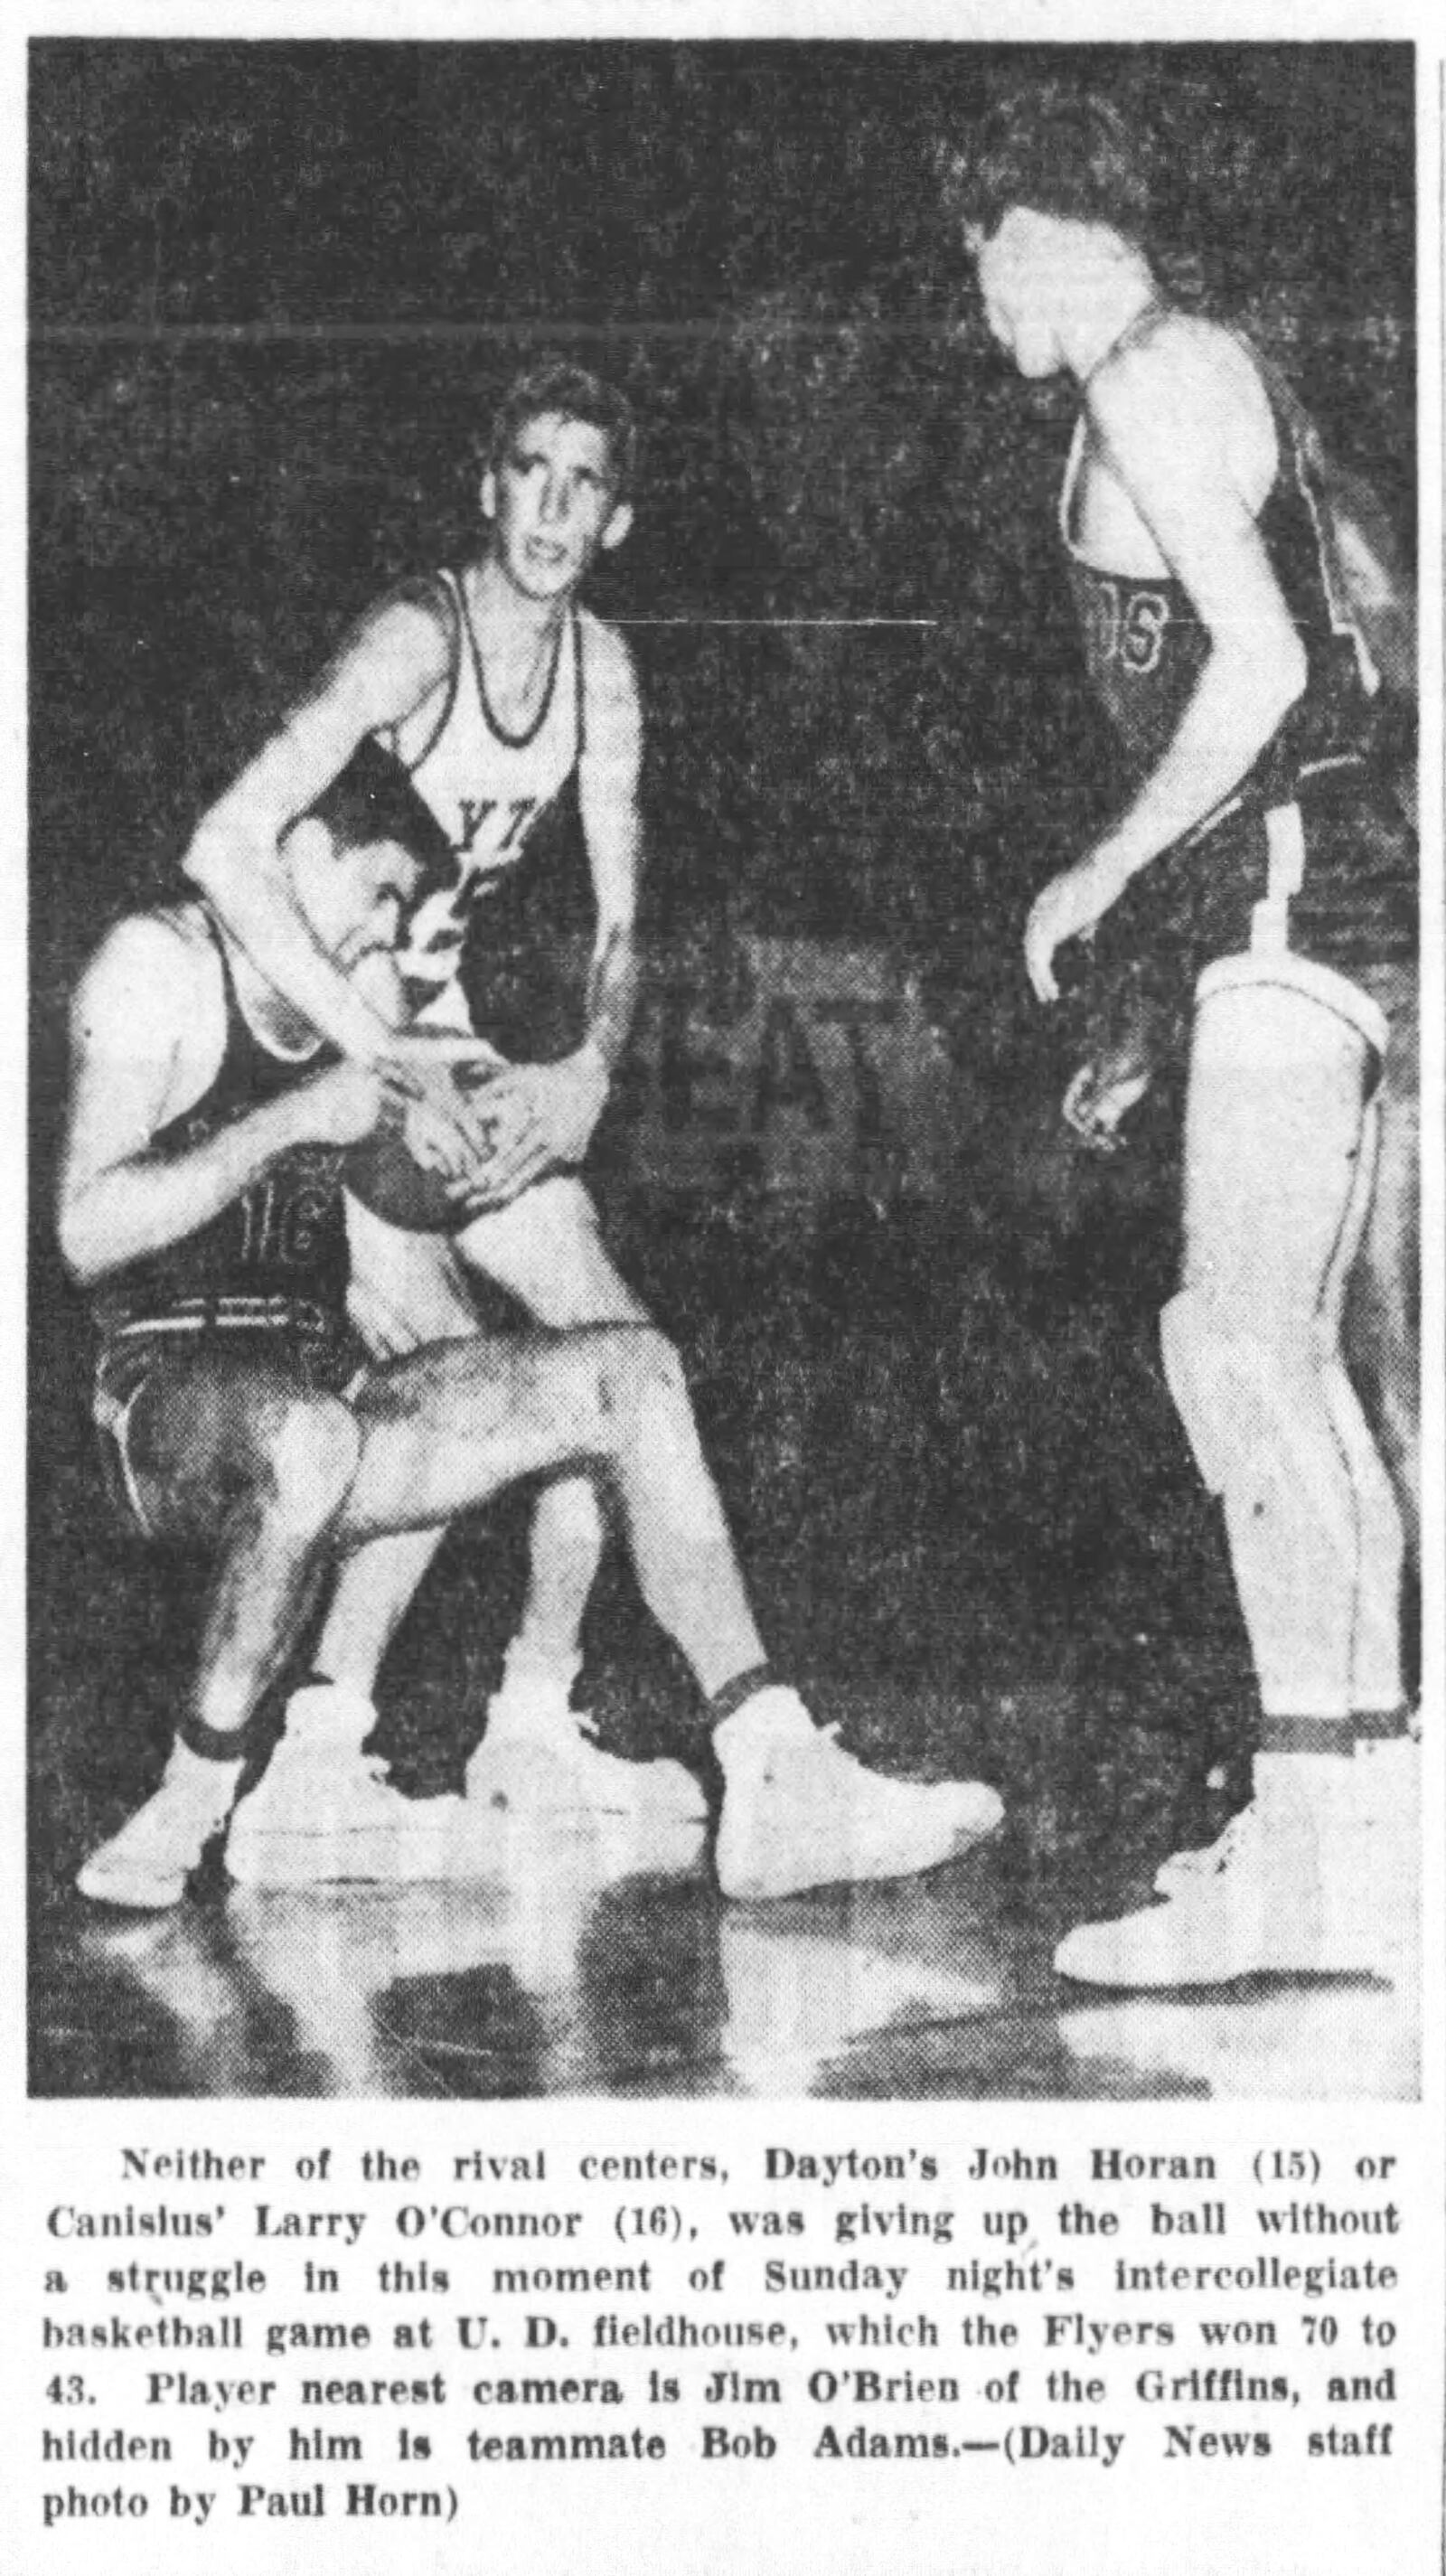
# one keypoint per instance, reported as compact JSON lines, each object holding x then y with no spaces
{"x":312,"y":1448}
{"x":571,"y":1514}
{"x":660,"y":1439}
{"x":1196,"y":1354}
{"x":1232,"y":1374}
{"x":637,"y":1375}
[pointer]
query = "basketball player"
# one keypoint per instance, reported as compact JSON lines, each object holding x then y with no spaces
{"x":497,"y":690}
{"x":1257,"y":843}
{"x":200,"y":1201}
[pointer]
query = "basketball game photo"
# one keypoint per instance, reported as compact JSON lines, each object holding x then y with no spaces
{"x":724,"y":1348}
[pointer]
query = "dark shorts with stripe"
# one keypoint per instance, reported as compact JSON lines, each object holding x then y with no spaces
{"x":1320,"y":889}
{"x":311,"y":1343}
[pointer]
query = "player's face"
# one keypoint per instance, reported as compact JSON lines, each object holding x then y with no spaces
{"x":552,"y":504}
{"x":1017,"y":269}
{"x":354,"y":900}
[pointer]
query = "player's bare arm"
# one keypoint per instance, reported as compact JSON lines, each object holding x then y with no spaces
{"x":392,"y":663}
{"x":562,"y":1103}
{"x":137,"y":1064}
{"x":1174,"y":427}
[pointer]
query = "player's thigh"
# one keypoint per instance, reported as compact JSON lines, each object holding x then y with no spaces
{"x":206,"y":1428}
{"x":450,"y":1426}
{"x":546,"y":1250}
{"x":405,"y":1289}
{"x":1390,"y":1254}
{"x":1383,"y":1304}
{"x":1274,"y":1130}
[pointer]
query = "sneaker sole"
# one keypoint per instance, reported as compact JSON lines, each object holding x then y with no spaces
{"x":314,"y":1860}
{"x":506,"y":1840}
{"x":583,"y":1811}
{"x":1142,"y":1979}
{"x":135,"y":1897}
{"x":745,"y":1886}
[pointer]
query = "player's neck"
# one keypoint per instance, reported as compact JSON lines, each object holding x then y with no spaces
{"x":506,"y":621}
{"x":1112,"y":288}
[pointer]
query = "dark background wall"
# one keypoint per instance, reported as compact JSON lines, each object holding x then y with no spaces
{"x":274,"y":290}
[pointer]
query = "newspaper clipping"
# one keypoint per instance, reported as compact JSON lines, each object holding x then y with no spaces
{"x":726,"y":1630}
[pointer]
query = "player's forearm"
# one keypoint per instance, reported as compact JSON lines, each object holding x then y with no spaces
{"x":147,"y":1203}
{"x":247,"y":883}
{"x":1239,"y":704}
{"x":612,"y":996}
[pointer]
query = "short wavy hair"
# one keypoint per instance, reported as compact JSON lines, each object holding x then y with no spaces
{"x":577,"y":395}
{"x":373,"y":799}
{"x":1059,"y":150}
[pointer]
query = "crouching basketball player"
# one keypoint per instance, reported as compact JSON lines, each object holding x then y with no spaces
{"x":1217,"y":634}
{"x":201,"y":1203}
{"x":503,"y":697}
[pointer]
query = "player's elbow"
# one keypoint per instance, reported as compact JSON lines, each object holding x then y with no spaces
{"x":81,"y":1234}
{"x":231,"y":851}
{"x":210,"y":858}
{"x":1280,"y":676}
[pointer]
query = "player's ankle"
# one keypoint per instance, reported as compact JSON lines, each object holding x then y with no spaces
{"x":202,"y":1755}
{"x":768,"y":1719}
{"x":541,"y":1662}
{"x":325,"y":1712}
{"x":1291,"y":1735}
{"x":739,"y":1690}
{"x":205,"y":1783}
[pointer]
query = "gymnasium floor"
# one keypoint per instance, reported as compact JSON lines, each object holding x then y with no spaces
{"x":564,"y":1979}
{"x":974,"y":1538}
{"x":566,"y":1969}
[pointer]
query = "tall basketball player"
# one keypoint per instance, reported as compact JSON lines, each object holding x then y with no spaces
{"x":1257,"y":844}
{"x":498,"y":690}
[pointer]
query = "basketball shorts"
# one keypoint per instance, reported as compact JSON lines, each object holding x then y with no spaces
{"x":311,"y":1343}
{"x":1319,"y":893}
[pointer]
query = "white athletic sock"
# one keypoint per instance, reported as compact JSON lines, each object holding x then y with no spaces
{"x":530,"y":1677}
{"x":327,"y":1716}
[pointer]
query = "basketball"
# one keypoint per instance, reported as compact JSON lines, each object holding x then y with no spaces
{"x":387,"y":1178}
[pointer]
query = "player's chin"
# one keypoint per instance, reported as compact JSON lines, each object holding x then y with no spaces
{"x":376,"y":976}
{"x":545,"y":577}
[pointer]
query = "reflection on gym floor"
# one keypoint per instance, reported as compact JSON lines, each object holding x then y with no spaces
{"x":564,"y":1979}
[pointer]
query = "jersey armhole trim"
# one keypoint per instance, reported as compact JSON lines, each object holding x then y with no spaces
{"x":448,"y":585}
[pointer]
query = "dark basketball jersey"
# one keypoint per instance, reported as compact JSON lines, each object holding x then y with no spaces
{"x":1350,"y":900}
{"x":276,"y":1258}
{"x":516,"y":922}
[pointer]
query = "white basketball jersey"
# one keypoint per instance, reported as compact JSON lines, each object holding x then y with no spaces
{"x":486,"y":787}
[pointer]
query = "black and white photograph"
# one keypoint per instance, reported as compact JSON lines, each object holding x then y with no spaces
{"x":724,"y":1347}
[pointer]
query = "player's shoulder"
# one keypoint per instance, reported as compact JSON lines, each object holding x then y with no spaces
{"x":607,"y":655}
{"x":407,"y":631}
{"x":151,"y":969}
{"x":609,"y":679}
{"x":1181,"y":375}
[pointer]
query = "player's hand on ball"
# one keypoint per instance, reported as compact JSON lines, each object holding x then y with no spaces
{"x":545,"y":1115}
{"x":426,"y":1076}
{"x":437,"y":1136}
{"x":1069,"y":908}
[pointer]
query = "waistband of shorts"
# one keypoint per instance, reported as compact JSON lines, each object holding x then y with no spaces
{"x":189,"y":1317}
{"x":1313,"y":777}
{"x":1324,"y":985}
